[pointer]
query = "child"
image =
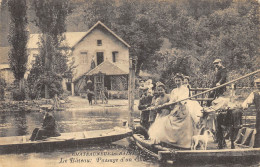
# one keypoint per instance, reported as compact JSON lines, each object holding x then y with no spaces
{"x":56,"y":102}
{"x":254,"y":98}
{"x":90,"y":96}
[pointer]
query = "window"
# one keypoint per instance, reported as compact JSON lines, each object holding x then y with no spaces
{"x":99,"y":42}
{"x":100,"y":57}
{"x":114,"y":56}
{"x":84,"y":56}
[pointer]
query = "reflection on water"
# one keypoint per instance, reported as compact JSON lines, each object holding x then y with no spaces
{"x":18,"y":124}
{"x":13,"y":124}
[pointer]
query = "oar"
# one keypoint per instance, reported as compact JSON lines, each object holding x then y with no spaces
{"x":169,"y":104}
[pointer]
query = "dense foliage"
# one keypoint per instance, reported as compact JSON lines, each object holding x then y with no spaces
{"x":52,"y":62}
{"x":215,"y":29}
{"x":18,"y":37}
{"x":199,"y":32}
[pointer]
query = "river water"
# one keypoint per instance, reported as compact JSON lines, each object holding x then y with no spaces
{"x":120,"y":153}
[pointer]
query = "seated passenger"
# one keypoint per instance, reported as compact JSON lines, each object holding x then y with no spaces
{"x":48,"y":129}
{"x":178,"y":127}
{"x":162,"y":99}
{"x":181,"y":91}
{"x":155,"y":102}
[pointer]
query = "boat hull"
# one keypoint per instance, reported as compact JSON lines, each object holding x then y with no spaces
{"x":188,"y":156}
{"x":18,"y":144}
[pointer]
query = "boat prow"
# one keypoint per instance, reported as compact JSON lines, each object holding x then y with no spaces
{"x":17,"y":144}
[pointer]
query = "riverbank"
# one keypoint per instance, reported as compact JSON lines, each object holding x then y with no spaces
{"x":26,"y":105}
{"x":73,"y":103}
{"x":76,"y":103}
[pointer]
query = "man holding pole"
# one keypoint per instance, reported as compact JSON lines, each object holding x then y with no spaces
{"x":220,"y":78}
{"x":254,"y":98}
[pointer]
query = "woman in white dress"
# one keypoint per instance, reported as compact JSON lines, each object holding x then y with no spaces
{"x":179,"y":126}
{"x":181,"y":91}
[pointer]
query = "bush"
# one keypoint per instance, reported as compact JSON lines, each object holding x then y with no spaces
{"x":18,"y":95}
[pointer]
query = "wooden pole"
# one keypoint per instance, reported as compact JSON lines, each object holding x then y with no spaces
{"x":169,"y":104}
{"x":131,"y":88}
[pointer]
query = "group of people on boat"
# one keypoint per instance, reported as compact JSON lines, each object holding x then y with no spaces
{"x":174,"y":118}
{"x":175,"y":124}
{"x":171,"y":118}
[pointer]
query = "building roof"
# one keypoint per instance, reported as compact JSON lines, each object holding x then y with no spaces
{"x":108,"y":68}
{"x":73,"y":38}
{"x":4,"y":55}
{"x":99,"y":23}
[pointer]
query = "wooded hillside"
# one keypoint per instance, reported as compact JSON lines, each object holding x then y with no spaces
{"x":199,"y":32}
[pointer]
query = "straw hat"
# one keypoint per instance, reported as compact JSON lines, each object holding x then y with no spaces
{"x":216,"y":61}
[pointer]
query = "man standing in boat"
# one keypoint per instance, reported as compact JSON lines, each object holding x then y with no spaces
{"x":220,"y":78}
{"x":254,"y":98}
{"x":48,"y":129}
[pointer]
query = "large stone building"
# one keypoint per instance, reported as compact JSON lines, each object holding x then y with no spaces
{"x":98,"y":45}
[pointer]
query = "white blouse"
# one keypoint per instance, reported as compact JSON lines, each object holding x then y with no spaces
{"x":179,"y":93}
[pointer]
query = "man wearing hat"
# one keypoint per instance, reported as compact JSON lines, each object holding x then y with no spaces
{"x":48,"y":129}
{"x":220,"y":78}
{"x":254,"y":98}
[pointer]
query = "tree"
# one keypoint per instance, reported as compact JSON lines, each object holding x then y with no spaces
{"x":50,"y":18}
{"x":200,"y":31}
{"x":217,"y":29}
{"x":18,"y":37}
{"x":4,"y":23}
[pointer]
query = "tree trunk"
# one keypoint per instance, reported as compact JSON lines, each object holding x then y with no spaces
{"x":138,"y":67}
{"x":46,"y":89}
{"x":21,"y":85}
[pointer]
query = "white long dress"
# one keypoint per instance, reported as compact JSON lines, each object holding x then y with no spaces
{"x":178,"y":127}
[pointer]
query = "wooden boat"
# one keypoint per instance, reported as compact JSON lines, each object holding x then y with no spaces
{"x":169,"y":152}
{"x":17,"y":144}
{"x":165,"y":152}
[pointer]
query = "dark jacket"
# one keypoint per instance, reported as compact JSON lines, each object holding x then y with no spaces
{"x":49,"y":124}
{"x":220,"y":77}
{"x":145,"y":102}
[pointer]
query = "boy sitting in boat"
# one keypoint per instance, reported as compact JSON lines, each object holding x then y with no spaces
{"x":48,"y":129}
{"x":254,"y":98}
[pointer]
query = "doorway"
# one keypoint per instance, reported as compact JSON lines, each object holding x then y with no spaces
{"x":100,"y":57}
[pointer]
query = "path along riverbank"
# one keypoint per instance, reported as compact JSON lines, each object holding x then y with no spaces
{"x":73,"y":103}
{"x":77,"y":103}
